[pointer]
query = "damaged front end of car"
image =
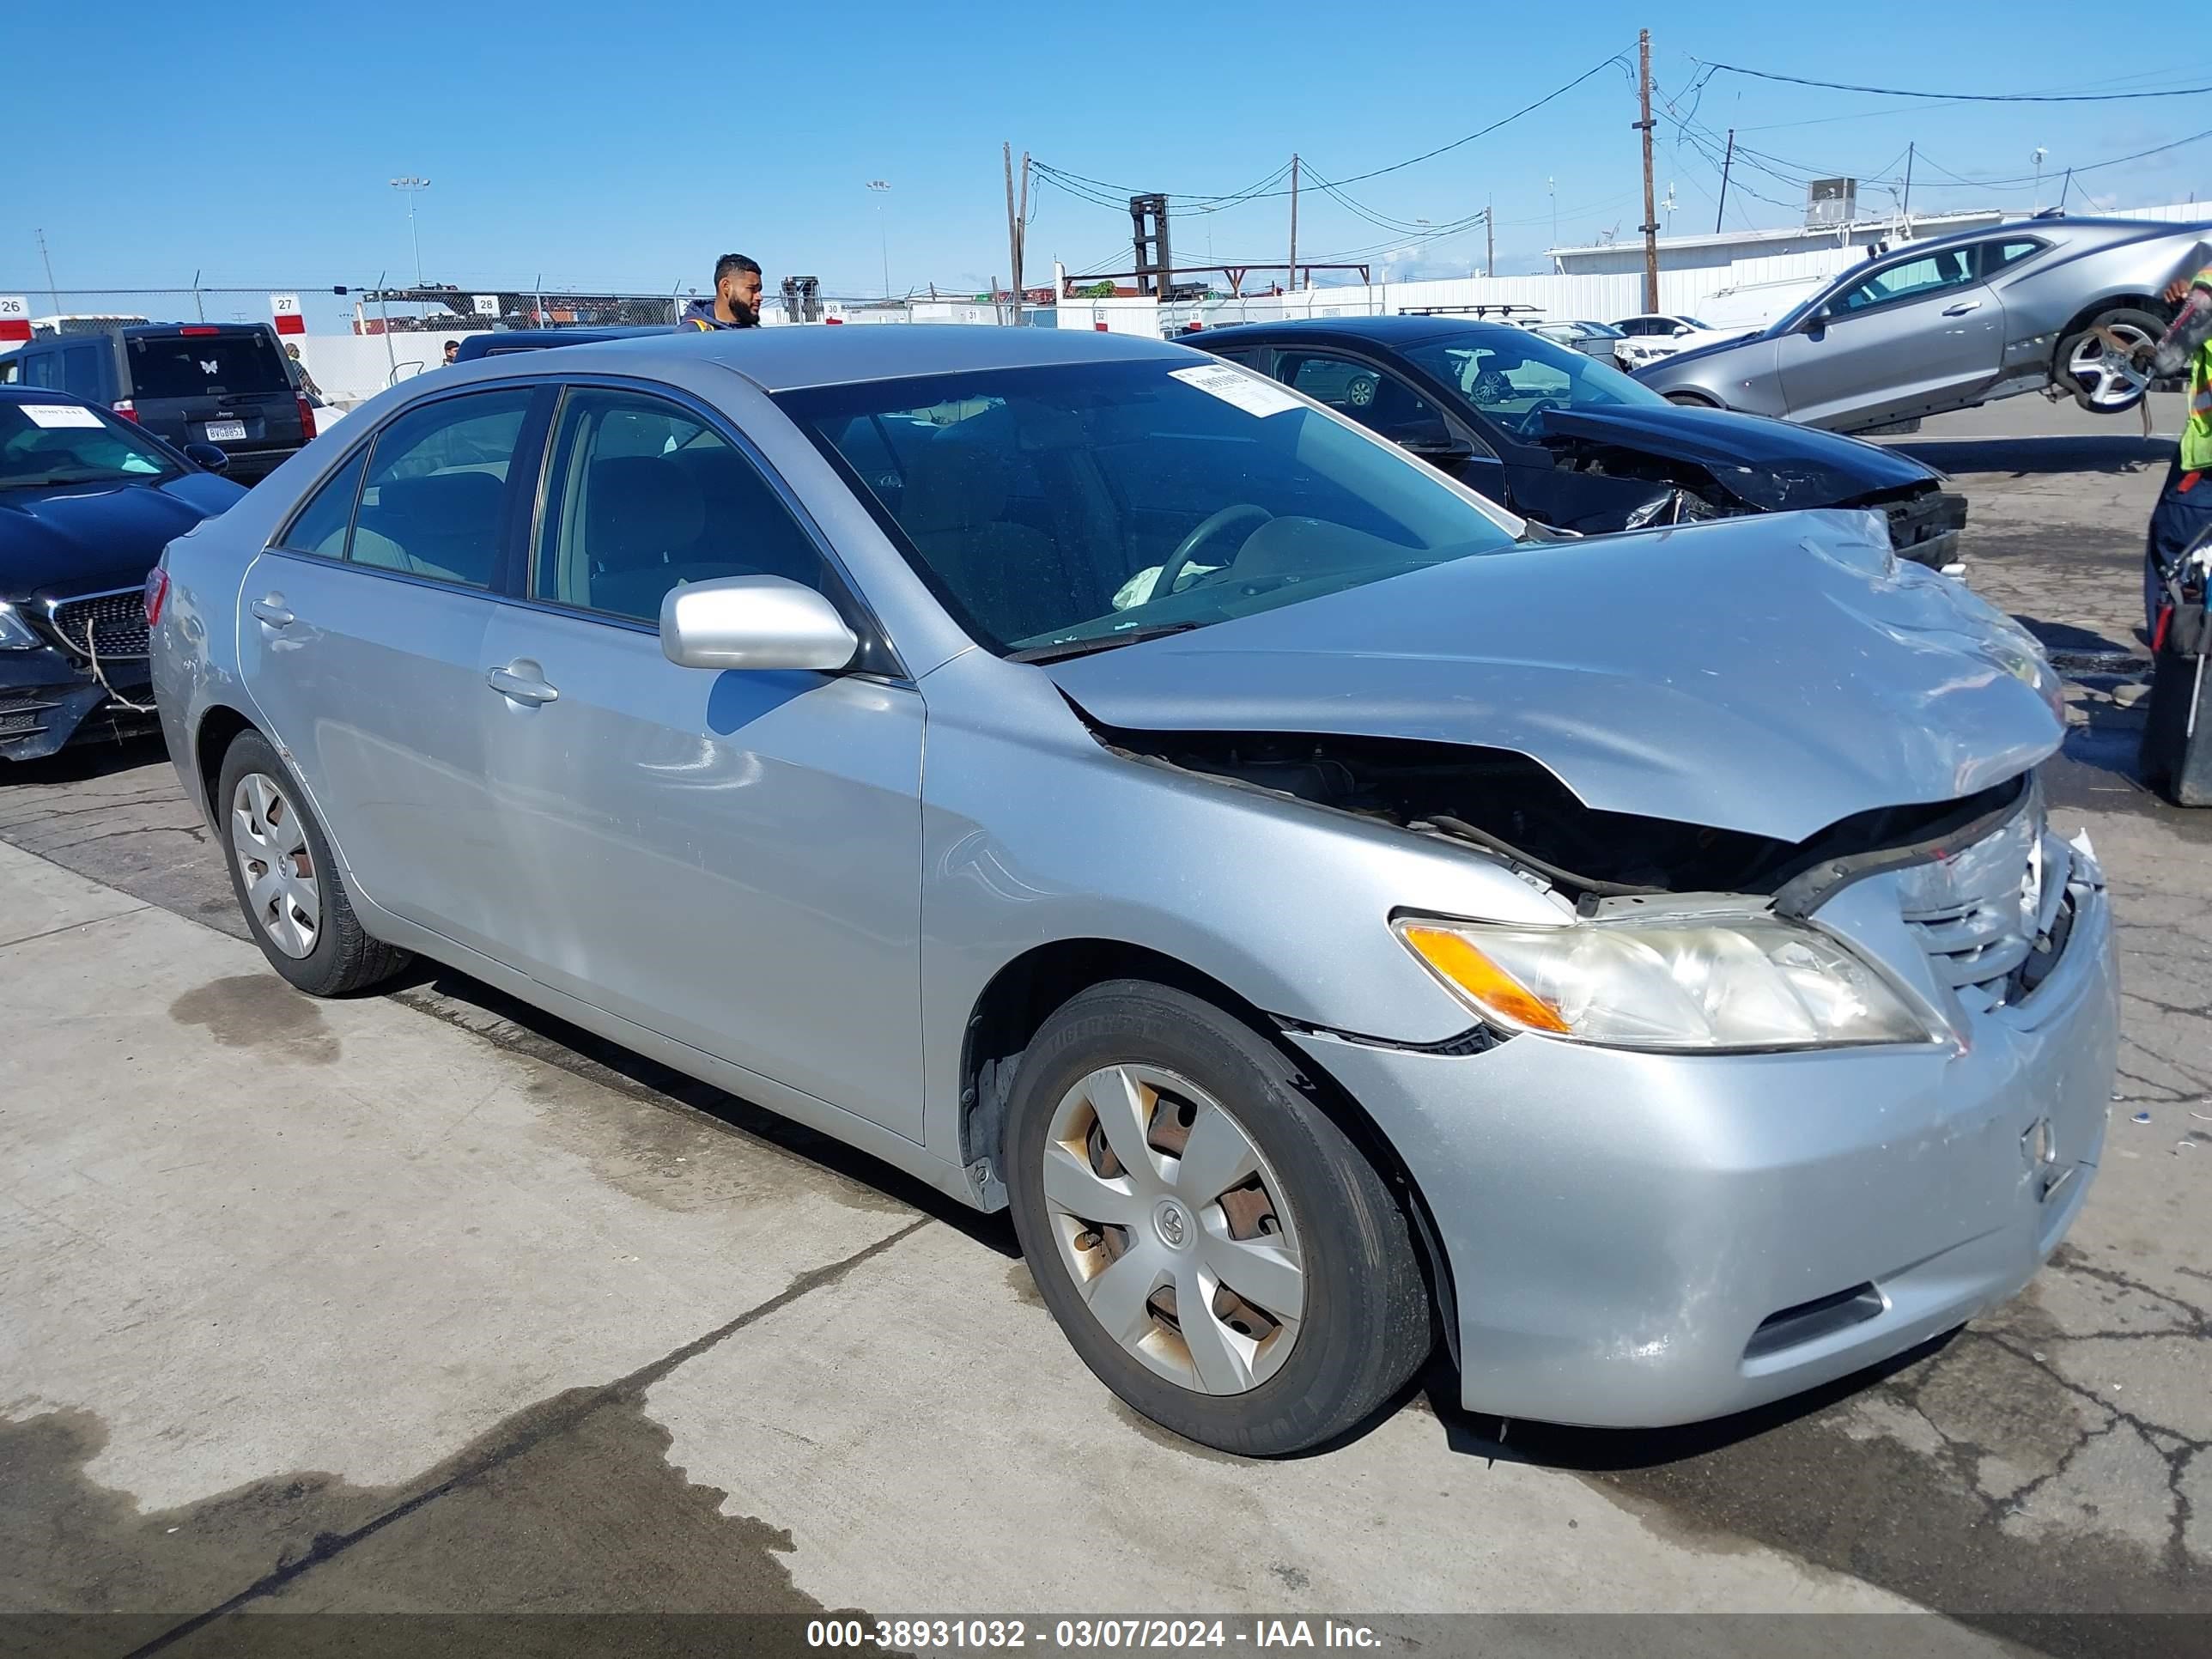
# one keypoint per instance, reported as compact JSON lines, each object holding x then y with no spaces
{"x":1747,"y":465}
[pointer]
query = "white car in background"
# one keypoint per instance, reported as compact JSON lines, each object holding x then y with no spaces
{"x":1647,"y":338}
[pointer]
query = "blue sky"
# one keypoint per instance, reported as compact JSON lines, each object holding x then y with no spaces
{"x":595,"y":147}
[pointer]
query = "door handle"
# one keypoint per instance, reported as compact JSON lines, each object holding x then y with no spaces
{"x":519,"y":688}
{"x":272,"y":611}
{"x":1962,"y":308}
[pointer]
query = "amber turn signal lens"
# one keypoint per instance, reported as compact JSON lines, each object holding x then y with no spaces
{"x":1457,"y":963}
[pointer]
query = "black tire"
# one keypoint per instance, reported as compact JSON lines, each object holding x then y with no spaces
{"x":343,"y":959}
{"x":2131,"y":321}
{"x":1366,"y":1319}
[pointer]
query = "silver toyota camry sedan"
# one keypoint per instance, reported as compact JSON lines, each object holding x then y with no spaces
{"x":1333,"y":916}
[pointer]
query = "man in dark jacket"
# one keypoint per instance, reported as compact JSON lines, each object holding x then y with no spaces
{"x":736,"y":303}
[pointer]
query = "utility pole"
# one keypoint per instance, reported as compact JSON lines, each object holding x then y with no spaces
{"x":1904,"y":209}
{"x":2064,"y":188}
{"x":53,"y":293}
{"x":1293,"y":289}
{"x":1013,"y":229}
{"x":1650,"y":207}
{"x":1727,"y":162}
{"x":1490,"y":237}
{"x":1021,"y":235}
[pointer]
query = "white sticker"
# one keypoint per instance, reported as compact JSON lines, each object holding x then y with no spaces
{"x":13,"y":307}
{"x":60,"y":415}
{"x":284,"y":305}
{"x":1233,"y":386}
{"x":487,"y":305}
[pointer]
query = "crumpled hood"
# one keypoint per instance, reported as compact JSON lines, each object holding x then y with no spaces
{"x":1770,"y":675}
{"x":81,"y":538}
{"x":1776,"y":466}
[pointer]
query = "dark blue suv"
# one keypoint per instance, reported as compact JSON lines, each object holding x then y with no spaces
{"x":223,"y":384}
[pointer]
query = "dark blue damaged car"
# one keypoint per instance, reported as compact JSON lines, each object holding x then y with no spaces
{"x":88,"y":501}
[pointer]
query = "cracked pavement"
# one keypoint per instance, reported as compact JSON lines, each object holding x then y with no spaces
{"x":2044,"y":1475}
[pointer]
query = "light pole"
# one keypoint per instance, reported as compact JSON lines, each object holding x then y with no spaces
{"x":2040,"y":153}
{"x":881,"y":188}
{"x":1552,"y":189}
{"x":414,"y":187}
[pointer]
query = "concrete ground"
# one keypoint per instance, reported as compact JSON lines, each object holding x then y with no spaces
{"x":424,"y":1301}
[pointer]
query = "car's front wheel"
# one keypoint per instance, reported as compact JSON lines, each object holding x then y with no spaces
{"x":1216,"y":1249}
{"x":286,"y":882}
{"x":2095,"y":362}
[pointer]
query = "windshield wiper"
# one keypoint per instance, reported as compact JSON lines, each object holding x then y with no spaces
{"x":1066,"y":648}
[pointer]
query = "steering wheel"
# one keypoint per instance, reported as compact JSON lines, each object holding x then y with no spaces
{"x":1537,"y":405}
{"x":1212,"y":526}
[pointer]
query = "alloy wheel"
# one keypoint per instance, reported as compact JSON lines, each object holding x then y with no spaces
{"x":2101,"y":366}
{"x":1175,"y":1228}
{"x":269,"y":843}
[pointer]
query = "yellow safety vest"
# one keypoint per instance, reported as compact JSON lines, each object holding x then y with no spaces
{"x":2197,"y":434}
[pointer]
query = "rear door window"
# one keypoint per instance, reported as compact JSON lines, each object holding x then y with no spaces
{"x":206,"y":366}
{"x":80,"y":370}
{"x":320,"y":526}
{"x":645,"y":496}
{"x":434,"y":501}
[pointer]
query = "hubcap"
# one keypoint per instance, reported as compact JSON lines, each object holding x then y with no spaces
{"x":1175,"y":1228}
{"x":282,"y":896}
{"x":2102,"y":367}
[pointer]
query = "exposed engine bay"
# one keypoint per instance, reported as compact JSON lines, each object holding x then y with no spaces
{"x":1516,"y":810}
{"x":1925,"y":518}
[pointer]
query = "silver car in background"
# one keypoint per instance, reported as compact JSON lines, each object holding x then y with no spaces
{"x":1934,"y":326}
{"x":1107,"y":785}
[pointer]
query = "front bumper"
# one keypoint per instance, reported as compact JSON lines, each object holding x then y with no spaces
{"x":1640,"y":1240}
{"x":48,"y":698}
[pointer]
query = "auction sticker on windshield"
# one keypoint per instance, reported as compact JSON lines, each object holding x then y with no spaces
{"x":59,"y":415}
{"x":1252,"y":395}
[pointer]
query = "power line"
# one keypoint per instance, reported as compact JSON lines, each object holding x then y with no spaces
{"x":1957,"y":97}
{"x":1375,"y":173}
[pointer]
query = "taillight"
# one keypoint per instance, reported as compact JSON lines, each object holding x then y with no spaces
{"x":204,"y":329}
{"x":125,"y":408}
{"x":157,"y":594}
{"x":307,"y":420}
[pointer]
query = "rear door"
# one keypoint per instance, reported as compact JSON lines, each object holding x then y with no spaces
{"x":219,"y":384}
{"x":1919,"y":334}
{"x":729,"y":858}
{"x":361,"y":639}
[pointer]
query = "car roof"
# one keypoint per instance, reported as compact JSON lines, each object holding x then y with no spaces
{"x":483,"y":343}
{"x":789,"y":356}
{"x":17,"y":393}
{"x":1385,"y":331}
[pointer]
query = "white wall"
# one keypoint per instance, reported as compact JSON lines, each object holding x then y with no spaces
{"x":351,"y":369}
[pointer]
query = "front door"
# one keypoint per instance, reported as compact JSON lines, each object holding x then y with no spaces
{"x":1916,"y":334}
{"x":731,"y":858}
{"x":361,"y":635}
{"x":1389,"y":405}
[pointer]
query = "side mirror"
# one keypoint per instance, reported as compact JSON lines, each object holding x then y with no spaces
{"x":210,"y":456}
{"x":1816,"y":319}
{"x":754,"y":622}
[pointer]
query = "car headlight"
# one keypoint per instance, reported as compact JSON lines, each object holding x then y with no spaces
{"x":15,"y":633}
{"x":1699,"y":984}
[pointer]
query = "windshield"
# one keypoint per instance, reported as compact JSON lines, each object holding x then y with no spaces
{"x":1066,"y":507}
{"x":43,"y":444}
{"x":1512,"y":376}
{"x":206,"y":365}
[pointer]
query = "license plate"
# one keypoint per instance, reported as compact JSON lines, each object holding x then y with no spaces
{"x":219,"y":432}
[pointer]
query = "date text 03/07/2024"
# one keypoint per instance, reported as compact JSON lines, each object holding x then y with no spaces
{"x":1080,"y":1635}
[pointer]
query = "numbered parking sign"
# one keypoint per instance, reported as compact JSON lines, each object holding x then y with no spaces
{"x":487,"y":305}
{"x":286,"y":309}
{"x":14,"y":319}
